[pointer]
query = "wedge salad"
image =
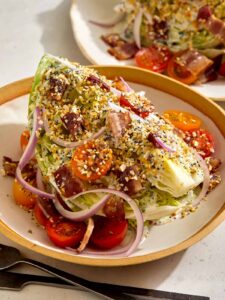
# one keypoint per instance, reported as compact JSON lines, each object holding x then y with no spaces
{"x":99,"y":164}
{"x":183,"y":39}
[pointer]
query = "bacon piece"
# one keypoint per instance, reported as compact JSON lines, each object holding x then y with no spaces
{"x":118,"y":122}
{"x":204,"y":13}
{"x":215,"y":179}
{"x":114,"y":208}
{"x":66,"y":182}
{"x":97,"y":81}
{"x":29,"y":171}
{"x":131,"y":184}
{"x":112,"y":39}
{"x":212,"y":23}
{"x":160,"y":28}
{"x":194,"y":62}
{"x":119,"y":48}
{"x":123,"y":51}
{"x":73,"y":123}
{"x":213,"y":163}
{"x":58,"y":85}
{"x":9,"y":166}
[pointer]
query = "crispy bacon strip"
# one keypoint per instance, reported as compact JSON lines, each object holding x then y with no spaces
{"x":194,"y":62}
{"x":118,"y":122}
{"x":130,"y":181}
{"x":119,"y":48}
{"x":66,"y":182}
{"x":212,"y":23}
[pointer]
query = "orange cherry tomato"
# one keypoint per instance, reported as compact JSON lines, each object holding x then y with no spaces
{"x":91,"y":161}
{"x":178,"y":72}
{"x":24,"y":139}
{"x":64,"y":233}
{"x":23,"y":197}
{"x":182,"y":120}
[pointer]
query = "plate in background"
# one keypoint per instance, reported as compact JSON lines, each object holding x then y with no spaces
{"x":94,"y":49}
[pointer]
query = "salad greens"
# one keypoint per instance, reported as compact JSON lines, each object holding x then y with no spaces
{"x":168,"y":178}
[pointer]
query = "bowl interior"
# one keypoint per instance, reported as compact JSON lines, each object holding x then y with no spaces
{"x":13,"y":117}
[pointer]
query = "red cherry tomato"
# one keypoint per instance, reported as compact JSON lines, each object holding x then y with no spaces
{"x":64,"y":233}
{"x":24,"y":139}
{"x":222,"y":69}
{"x":39,"y":215}
{"x":108,"y":232}
{"x":147,"y":108}
{"x":178,"y":72}
{"x":201,"y":140}
{"x":154,"y":58}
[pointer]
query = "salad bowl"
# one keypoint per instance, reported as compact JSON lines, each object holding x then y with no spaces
{"x":162,"y":240}
{"x":88,"y":37}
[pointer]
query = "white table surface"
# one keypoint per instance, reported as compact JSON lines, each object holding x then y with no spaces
{"x":27,"y":30}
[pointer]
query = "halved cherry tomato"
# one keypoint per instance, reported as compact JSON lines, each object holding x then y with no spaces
{"x":39,"y":215}
{"x":201,"y":140}
{"x":22,"y":196}
{"x":222,"y":69}
{"x":142,"y":112}
{"x":64,"y":233}
{"x":182,"y":120}
{"x":179,"y":72}
{"x":154,"y":58}
{"x":91,"y":161}
{"x":108,"y":232}
{"x":24,"y":139}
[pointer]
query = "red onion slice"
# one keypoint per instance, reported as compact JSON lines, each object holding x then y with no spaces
{"x":126,"y":85}
{"x":81,"y":215}
{"x":28,"y":154}
{"x":115,"y":91}
{"x":206,"y":181}
{"x":43,"y":209}
{"x":163,"y":145}
{"x":67,"y":144}
{"x":39,"y":180}
{"x":85,"y":214}
{"x":29,"y":151}
{"x":137,"y":28}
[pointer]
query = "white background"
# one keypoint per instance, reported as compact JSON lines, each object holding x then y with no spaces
{"x":27,"y":30}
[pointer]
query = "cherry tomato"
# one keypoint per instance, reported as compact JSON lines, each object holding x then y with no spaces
{"x":182,"y":120}
{"x":108,"y":232}
{"x":24,"y":139}
{"x":178,"y":72}
{"x":154,"y":58}
{"x":22,"y":196}
{"x":39,"y":215}
{"x":120,"y":84}
{"x":201,"y":140}
{"x":142,"y":112}
{"x":222,"y":69}
{"x":64,"y":233}
{"x":91,"y":161}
